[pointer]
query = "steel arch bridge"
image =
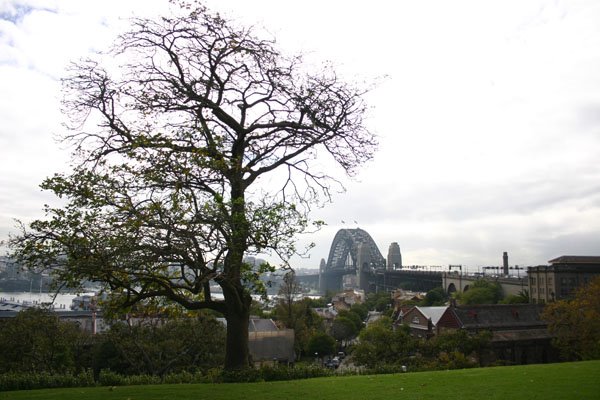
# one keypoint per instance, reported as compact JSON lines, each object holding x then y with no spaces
{"x":353,"y":251}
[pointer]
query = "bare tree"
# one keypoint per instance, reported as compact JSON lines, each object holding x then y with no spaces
{"x":195,"y":144}
{"x":288,"y":291}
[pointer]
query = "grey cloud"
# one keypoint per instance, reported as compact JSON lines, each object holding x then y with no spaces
{"x":588,"y":117}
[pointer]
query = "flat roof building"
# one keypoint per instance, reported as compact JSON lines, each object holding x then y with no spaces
{"x":561,"y":278}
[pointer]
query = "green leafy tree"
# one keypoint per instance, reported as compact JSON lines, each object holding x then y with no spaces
{"x":379,"y":301}
{"x":435,"y":297}
{"x":380,"y":344}
{"x":352,"y":316}
{"x":35,"y":340}
{"x":457,"y":342}
{"x":302,"y":319}
{"x":575,"y":323}
{"x":321,"y":344}
{"x":482,"y":292}
{"x":343,"y":329}
{"x":195,"y":146}
{"x":361,"y":310}
{"x":158,"y":347}
{"x":521,"y":298}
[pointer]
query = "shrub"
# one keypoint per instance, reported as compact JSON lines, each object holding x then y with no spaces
{"x":44,"y":380}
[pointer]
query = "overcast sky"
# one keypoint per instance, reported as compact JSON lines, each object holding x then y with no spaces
{"x":488,"y":116}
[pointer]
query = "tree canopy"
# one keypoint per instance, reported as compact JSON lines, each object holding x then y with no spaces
{"x":576,"y":323}
{"x":481,"y":292}
{"x":35,"y":340}
{"x":195,"y":144}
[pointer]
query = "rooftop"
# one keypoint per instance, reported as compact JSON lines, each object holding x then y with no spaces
{"x":595,"y":260}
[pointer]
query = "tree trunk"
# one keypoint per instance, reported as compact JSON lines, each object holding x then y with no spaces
{"x":236,"y":352}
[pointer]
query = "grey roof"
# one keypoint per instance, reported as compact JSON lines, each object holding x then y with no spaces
{"x":257,"y":325}
{"x":576,"y":260}
{"x":262,"y":325}
{"x":434,"y":313}
{"x":500,"y":316}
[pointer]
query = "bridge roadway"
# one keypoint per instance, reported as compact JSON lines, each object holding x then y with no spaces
{"x":420,"y":280}
{"x":378,"y":279}
{"x":455,"y":281}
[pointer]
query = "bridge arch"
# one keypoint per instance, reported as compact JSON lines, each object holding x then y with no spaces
{"x":451,"y":288}
{"x":344,"y":251}
{"x":352,"y":252}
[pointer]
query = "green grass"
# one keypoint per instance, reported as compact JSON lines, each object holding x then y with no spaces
{"x":550,"y":381}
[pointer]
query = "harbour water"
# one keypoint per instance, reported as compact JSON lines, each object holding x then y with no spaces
{"x":62,"y":301}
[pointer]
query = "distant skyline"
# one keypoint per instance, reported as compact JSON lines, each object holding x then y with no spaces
{"x":487,"y":113}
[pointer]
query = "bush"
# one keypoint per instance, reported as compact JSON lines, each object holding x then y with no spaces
{"x":44,"y":380}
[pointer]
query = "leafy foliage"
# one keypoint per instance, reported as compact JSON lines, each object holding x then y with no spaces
{"x":303,"y":320}
{"x":380,"y":301}
{"x":35,"y":340}
{"x":381,"y":346}
{"x":521,"y":298}
{"x":435,"y":297}
{"x":576,"y":323}
{"x":343,"y":328}
{"x":352,"y":316}
{"x":379,"y":343}
{"x":482,"y":292}
{"x":321,"y":344}
{"x":160,"y":347}
{"x":194,"y":146}
{"x":361,"y":310}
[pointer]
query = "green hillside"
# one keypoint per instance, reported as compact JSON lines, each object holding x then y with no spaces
{"x":551,"y":381}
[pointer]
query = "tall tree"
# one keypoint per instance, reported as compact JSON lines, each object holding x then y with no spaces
{"x":195,"y":144}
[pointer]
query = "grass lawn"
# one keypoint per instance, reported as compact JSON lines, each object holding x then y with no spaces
{"x":550,"y":381}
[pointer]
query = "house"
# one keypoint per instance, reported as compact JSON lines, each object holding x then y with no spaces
{"x":87,"y":321}
{"x":401,"y":297}
{"x":328,"y":314}
{"x":347,"y":298}
{"x":519,"y":335}
{"x":424,"y":321}
{"x":373,"y":316}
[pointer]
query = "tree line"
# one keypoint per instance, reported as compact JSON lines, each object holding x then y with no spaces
{"x":37,"y":341}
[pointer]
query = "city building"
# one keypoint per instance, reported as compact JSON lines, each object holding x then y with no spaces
{"x":561,"y":278}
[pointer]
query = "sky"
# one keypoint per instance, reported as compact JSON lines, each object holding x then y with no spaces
{"x":487,"y":114}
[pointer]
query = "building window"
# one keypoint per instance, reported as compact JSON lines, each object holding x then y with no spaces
{"x":572,"y":281}
{"x":415,"y":320}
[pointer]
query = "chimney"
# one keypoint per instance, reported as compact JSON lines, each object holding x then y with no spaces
{"x":505,"y":263}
